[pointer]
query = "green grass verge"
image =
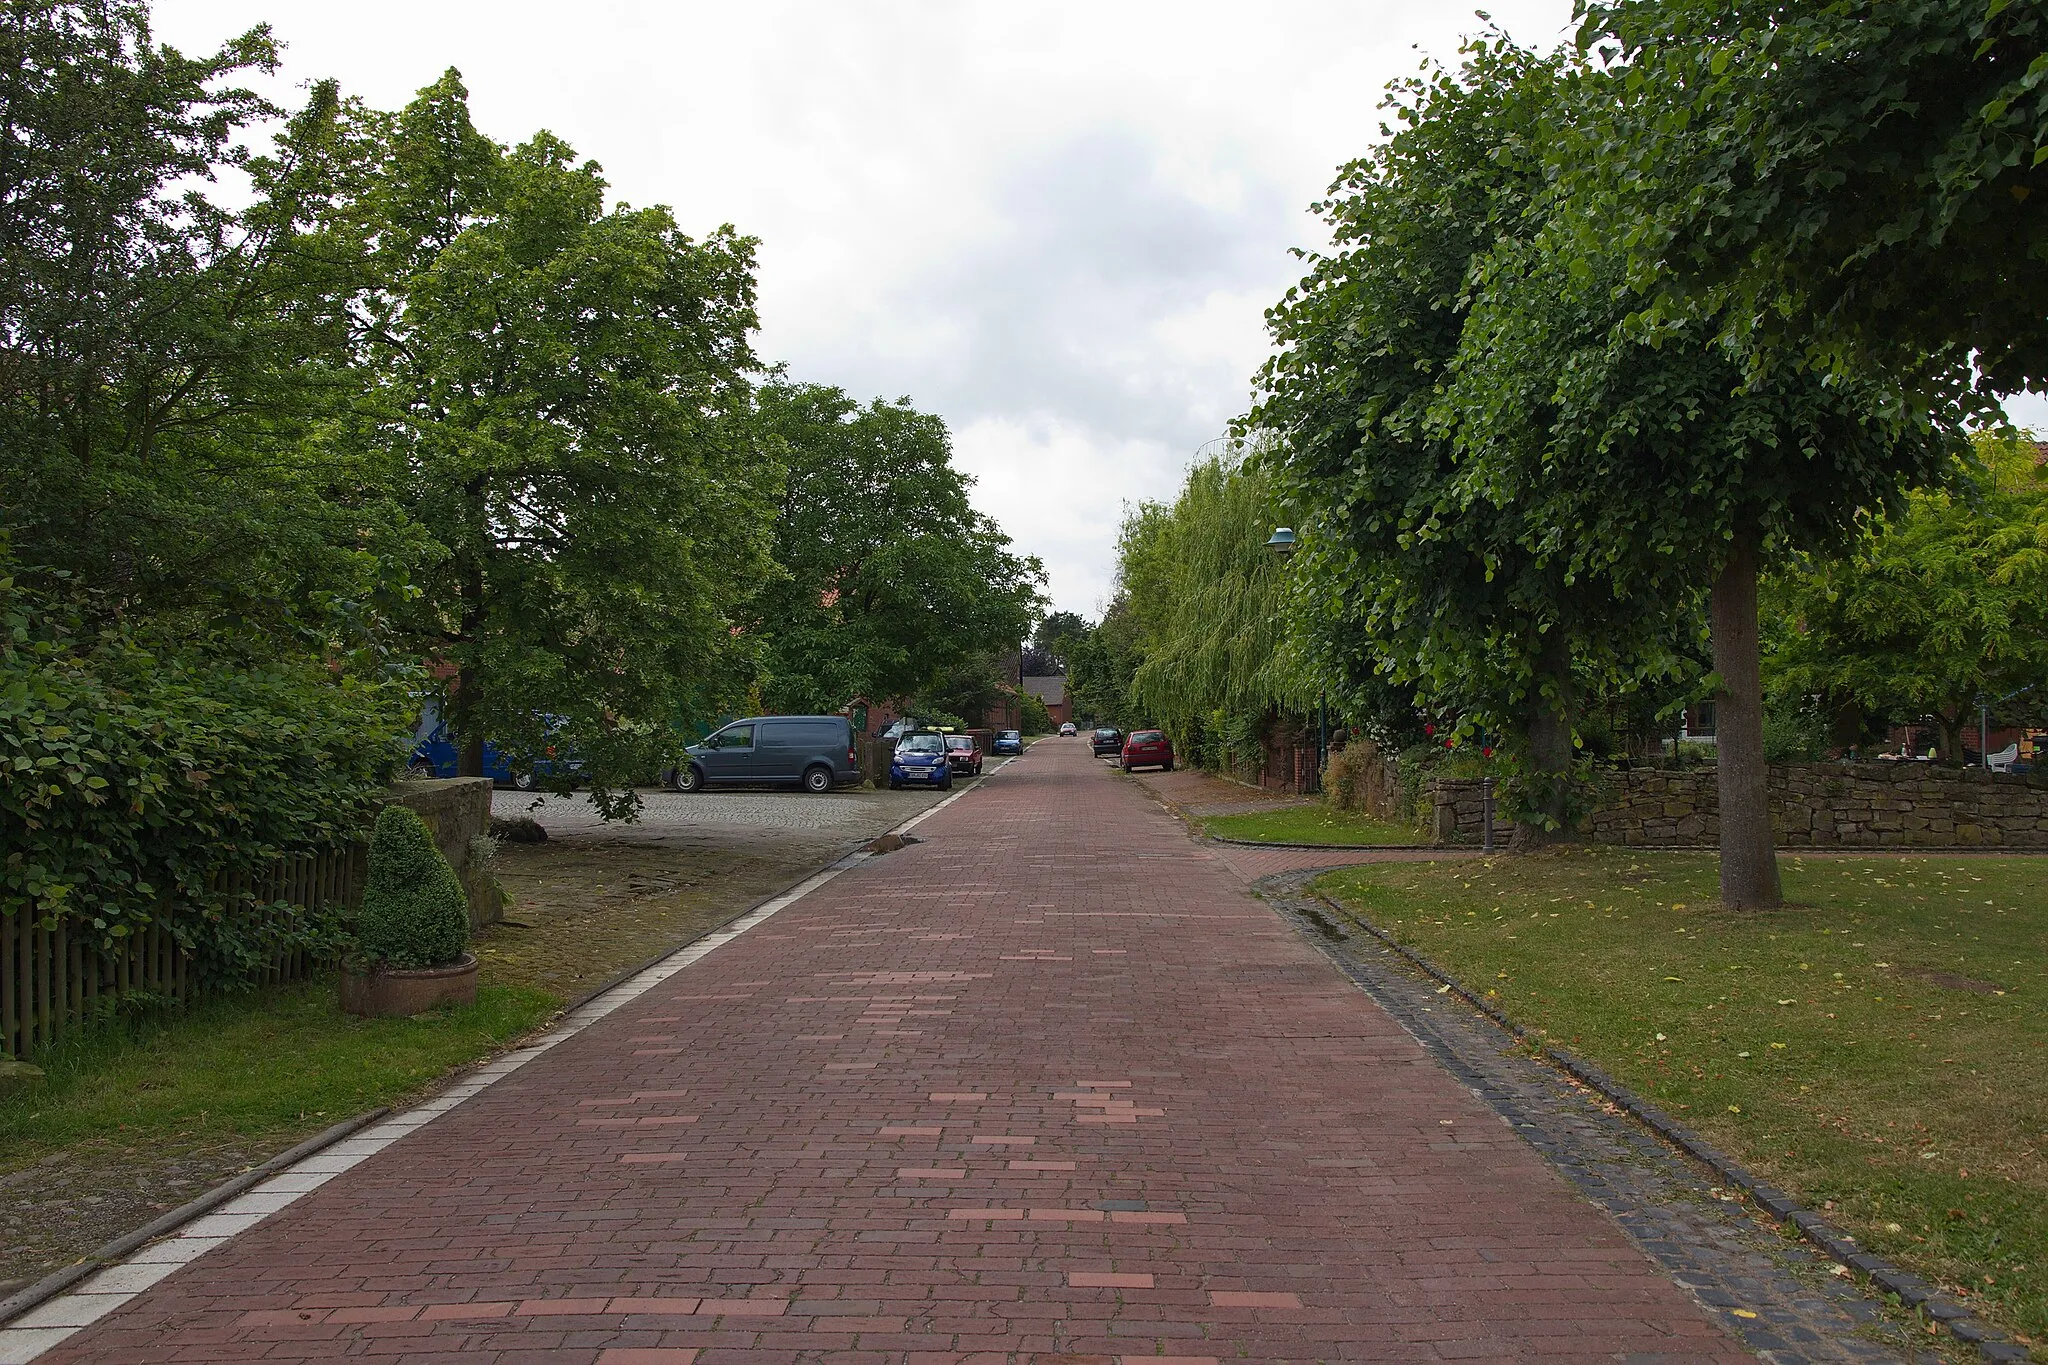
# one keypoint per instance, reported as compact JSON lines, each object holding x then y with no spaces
{"x":1317,"y":824}
{"x":273,"y":1063}
{"x":1879,"y":1047}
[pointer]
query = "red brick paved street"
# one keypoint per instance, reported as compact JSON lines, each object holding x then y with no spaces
{"x":1045,"y":1086}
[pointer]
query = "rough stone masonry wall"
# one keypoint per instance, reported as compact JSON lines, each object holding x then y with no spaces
{"x":1813,"y":805}
{"x":458,"y":811}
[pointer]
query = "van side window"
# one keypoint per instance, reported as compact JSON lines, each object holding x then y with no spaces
{"x":736,"y":737}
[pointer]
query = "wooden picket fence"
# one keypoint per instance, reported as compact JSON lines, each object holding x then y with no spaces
{"x":53,"y":979}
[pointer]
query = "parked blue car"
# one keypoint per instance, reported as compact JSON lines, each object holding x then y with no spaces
{"x":1007,"y":742}
{"x":920,"y":760}
{"x":434,"y":754}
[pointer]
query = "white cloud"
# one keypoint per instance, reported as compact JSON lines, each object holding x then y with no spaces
{"x":1057,"y":225}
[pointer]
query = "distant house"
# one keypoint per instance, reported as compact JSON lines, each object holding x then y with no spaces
{"x":1051,"y":688}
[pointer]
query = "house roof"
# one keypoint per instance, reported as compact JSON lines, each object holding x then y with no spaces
{"x":1051,"y":688}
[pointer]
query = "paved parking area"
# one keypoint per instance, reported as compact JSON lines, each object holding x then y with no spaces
{"x":721,"y":817}
{"x":1046,"y":1086}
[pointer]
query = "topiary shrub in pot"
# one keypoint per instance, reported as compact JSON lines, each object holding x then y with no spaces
{"x":412,"y":933}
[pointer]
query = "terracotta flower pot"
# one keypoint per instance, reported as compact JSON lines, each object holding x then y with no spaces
{"x":392,"y":993}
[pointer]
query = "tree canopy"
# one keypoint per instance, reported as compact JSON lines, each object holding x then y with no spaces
{"x":1936,"y":609}
{"x":1864,"y":178}
{"x":893,"y":584}
{"x":558,"y":396}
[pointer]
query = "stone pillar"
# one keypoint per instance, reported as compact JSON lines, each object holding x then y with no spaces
{"x":458,"y":811}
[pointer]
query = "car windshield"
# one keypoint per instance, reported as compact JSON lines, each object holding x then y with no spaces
{"x":1011,"y":734}
{"x":1147,"y":737}
{"x":921,"y":744}
{"x":959,"y":742}
{"x":1105,"y":734}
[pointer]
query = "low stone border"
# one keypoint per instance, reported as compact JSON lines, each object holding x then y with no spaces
{"x":55,"y":1283}
{"x":1912,"y":1291}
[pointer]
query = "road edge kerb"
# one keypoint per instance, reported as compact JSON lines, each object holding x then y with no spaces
{"x":57,"y":1282}
{"x":1915,"y":1293}
{"x":480,"y":1077}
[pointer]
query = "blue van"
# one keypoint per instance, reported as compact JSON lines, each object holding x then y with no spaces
{"x":812,"y":752}
{"x":434,"y":754}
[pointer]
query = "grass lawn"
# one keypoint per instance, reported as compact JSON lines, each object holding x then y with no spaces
{"x":275,"y":1062}
{"x":1317,"y":824}
{"x":1880,"y":1047}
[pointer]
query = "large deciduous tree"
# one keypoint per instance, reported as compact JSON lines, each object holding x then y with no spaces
{"x":560,"y":395}
{"x":1649,"y":463}
{"x":1936,"y":609}
{"x":165,"y":348}
{"x":1208,"y":598}
{"x":1411,"y":571}
{"x":893,"y":584}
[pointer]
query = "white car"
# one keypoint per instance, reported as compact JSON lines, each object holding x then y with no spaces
{"x":1067,"y":730}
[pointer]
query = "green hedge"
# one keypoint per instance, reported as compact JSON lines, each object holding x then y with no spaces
{"x":136,"y":773}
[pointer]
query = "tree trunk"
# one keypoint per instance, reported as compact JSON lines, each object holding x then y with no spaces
{"x":1549,"y":753}
{"x":468,"y":697}
{"x":1846,"y":732}
{"x":1951,"y":727}
{"x":1749,"y":858}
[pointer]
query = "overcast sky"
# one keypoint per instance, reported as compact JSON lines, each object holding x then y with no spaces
{"x":1056,"y":225}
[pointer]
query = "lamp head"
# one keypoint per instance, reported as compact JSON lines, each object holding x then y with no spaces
{"x":1282,"y":541}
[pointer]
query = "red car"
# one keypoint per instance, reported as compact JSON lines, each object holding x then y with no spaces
{"x":964,"y":755}
{"x":1147,"y":748}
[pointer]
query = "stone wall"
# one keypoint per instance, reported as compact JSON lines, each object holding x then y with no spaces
{"x":1363,"y":777}
{"x":1813,"y":805}
{"x":458,"y":811}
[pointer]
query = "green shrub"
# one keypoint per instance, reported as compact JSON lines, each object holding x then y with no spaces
{"x":414,"y":912}
{"x":1347,"y":779}
{"x":143,"y":772}
{"x":1794,"y":732}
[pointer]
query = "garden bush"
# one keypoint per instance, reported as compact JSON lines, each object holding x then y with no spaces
{"x":140,"y":774}
{"x":414,"y":911}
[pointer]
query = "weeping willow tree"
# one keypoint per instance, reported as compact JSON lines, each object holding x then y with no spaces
{"x":1207,"y":597}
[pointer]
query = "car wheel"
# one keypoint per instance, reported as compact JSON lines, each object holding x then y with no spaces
{"x":1167,"y":766}
{"x":818,"y":779}
{"x":525,"y":782}
{"x":946,"y":783}
{"x":894,"y":785}
{"x":689,"y":778}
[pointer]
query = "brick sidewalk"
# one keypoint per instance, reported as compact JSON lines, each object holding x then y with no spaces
{"x":1046,"y":1086}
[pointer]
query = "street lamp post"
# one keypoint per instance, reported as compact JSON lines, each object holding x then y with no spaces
{"x":1283,"y":543}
